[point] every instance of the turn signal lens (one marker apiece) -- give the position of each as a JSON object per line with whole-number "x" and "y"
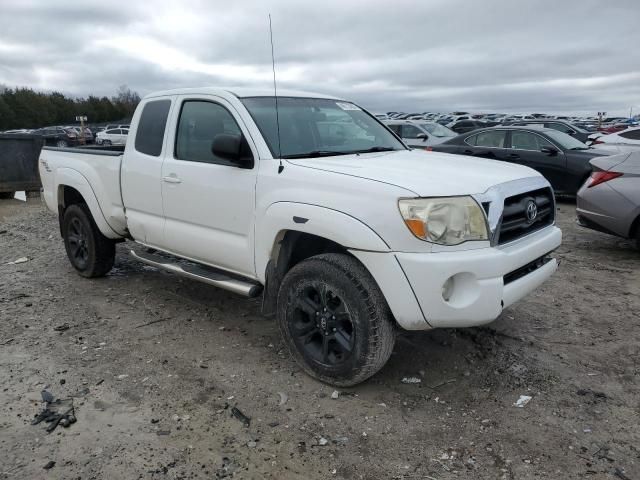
{"x": 417, "y": 227}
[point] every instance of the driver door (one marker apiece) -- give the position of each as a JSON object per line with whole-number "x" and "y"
{"x": 208, "y": 202}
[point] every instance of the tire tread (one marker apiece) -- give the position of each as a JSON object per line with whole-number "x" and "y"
{"x": 105, "y": 250}
{"x": 382, "y": 327}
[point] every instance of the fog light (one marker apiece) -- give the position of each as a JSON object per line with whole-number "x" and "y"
{"x": 447, "y": 289}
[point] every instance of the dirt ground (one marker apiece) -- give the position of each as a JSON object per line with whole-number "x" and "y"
{"x": 156, "y": 364}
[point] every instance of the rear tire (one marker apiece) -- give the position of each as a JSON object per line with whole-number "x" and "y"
{"x": 61, "y": 144}
{"x": 7, "y": 195}
{"x": 334, "y": 319}
{"x": 89, "y": 251}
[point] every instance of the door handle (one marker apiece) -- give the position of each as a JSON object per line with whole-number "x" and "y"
{"x": 468, "y": 152}
{"x": 513, "y": 155}
{"x": 171, "y": 179}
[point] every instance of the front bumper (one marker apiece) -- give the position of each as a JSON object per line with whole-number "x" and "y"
{"x": 477, "y": 290}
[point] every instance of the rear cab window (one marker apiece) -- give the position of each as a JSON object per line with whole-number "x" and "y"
{"x": 151, "y": 127}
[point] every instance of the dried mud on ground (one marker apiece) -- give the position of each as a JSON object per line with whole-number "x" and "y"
{"x": 156, "y": 364}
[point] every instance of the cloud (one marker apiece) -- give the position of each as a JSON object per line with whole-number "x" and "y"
{"x": 494, "y": 55}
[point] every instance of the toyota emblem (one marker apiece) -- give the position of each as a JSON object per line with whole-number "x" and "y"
{"x": 532, "y": 211}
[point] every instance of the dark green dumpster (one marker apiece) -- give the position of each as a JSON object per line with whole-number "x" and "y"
{"x": 19, "y": 154}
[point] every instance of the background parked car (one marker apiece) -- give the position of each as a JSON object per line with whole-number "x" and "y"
{"x": 58, "y": 136}
{"x": 630, "y": 136}
{"x": 612, "y": 128}
{"x": 113, "y": 136}
{"x": 562, "y": 159}
{"x": 560, "y": 125}
{"x": 88, "y": 134}
{"x": 420, "y": 133}
{"x": 464, "y": 126}
{"x": 21, "y": 130}
{"x": 610, "y": 200}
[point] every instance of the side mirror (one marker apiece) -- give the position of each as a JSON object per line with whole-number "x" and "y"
{"x": 549, "y": 151}
{"x": 422, "y": 136}
{"x": 230, "y": 147}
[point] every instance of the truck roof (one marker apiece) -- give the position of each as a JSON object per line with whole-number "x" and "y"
{"x": 240, "y": 92}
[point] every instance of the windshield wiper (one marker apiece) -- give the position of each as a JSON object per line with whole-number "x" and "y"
{"x": 316, "y": 153}
{"x": 374, "y": 149}
{"x": 579, "y": 148}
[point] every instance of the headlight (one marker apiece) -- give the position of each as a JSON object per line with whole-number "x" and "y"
{"x": 445, "y": 220}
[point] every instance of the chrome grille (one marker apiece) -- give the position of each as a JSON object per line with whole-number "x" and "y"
{"x": 525, "y": 213}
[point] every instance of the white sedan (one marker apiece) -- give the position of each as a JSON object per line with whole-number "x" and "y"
{"x": 630, "y": 136}
{"x": 114, "y": 136}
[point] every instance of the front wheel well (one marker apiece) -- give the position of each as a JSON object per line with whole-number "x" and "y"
{"x": 290, "y": 248}
{"x": 306, "y": 245}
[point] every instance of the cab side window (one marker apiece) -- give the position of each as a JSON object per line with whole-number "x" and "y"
{"x": 199, "y": 123}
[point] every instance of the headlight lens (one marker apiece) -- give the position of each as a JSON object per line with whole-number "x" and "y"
{"x": 445, "y": 220}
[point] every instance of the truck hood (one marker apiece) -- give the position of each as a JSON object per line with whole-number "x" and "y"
{"x": 422, "y": 172}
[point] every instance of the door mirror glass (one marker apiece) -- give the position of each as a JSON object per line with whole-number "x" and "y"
{"x": 226, "y": 146}
{"x": 422, "y": 136}
{"x": 230, "y": 147}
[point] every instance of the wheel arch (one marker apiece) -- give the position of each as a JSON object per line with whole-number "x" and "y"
{"x": 291, "y": 232}
{"x": 73, "y": 188}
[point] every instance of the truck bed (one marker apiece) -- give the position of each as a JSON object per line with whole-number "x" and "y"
{"x": 95, "y": 173}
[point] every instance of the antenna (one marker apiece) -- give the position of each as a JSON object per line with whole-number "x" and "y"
{"x": 275, "y": 94}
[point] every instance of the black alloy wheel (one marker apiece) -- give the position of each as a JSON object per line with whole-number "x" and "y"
{"x": 89, "y": 251}
{"x": 334, "y": 319}
{"x": 321, "y": 325}
{"x": 77, "y": 236}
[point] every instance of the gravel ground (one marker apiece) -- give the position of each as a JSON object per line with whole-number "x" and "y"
{"x": 157, "y": 363}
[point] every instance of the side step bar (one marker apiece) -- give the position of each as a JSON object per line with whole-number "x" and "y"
{"x": 202, "y": 273}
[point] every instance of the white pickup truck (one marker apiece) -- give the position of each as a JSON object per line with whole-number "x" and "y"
{"x": 317, "y": 206}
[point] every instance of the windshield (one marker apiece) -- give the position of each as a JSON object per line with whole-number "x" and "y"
{"x": 566, "y": 141}
{"x": 438, "y": 130}
{"x": 313, "y": 127}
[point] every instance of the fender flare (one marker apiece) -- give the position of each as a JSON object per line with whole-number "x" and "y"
{"x": 333, "y": 225}
{"x": 68, "y": 177}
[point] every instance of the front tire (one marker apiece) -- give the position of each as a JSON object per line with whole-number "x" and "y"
{"x": 89, "y": 251}
{"x": 7, "y": 195}
{"x": 61, "y": 144}
{"x": 106, "y": 143}
{"x": 334, "y": 319}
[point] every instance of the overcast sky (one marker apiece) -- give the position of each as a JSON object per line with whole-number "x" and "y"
{"x": 556, "y": 56}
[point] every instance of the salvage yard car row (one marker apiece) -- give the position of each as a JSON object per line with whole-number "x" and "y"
{"x": 74, "y": 135}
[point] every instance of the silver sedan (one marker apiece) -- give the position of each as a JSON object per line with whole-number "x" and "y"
{"x": 609, "y": 201}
